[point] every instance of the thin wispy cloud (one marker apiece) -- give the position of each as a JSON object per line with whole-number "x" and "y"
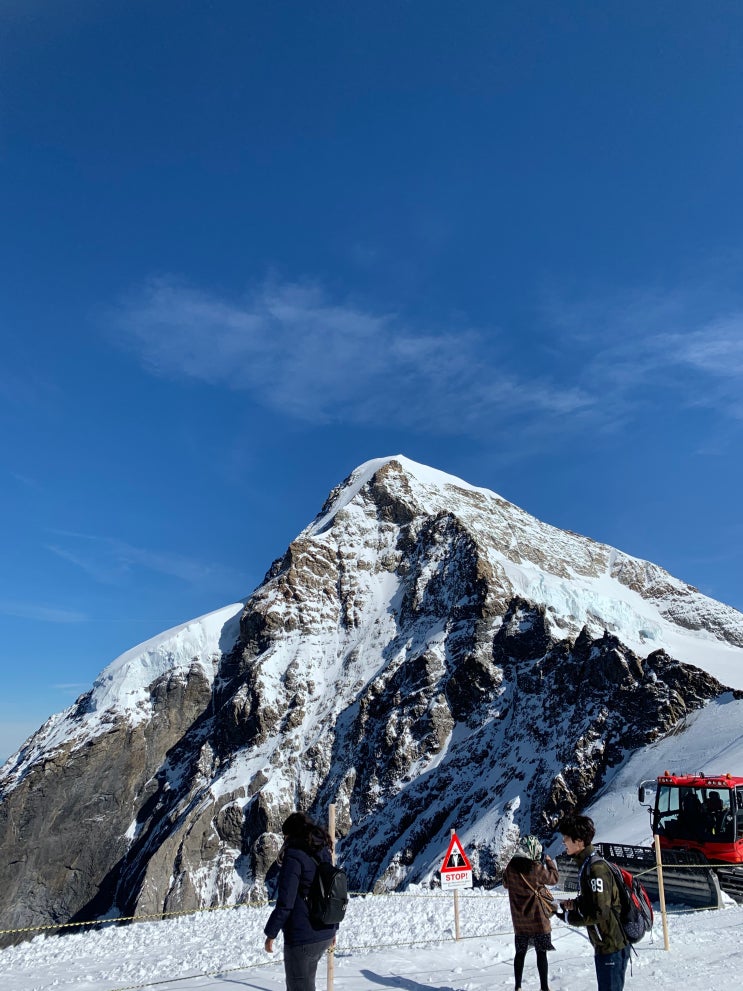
{"x": 641, "y": 345}
{"x": 608, "y": 361}
{"x": 111, "y": 561}
{"x": 40, "y": 613}
{"x": 298, "y": 352}
{"x": 25, "y": 480}
{"x": 717, "y": 348}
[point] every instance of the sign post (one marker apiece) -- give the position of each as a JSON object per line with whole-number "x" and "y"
{"x": 661, "y": 891}
{"x": 456, "y": 873}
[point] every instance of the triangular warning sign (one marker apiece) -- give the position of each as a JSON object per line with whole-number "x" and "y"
{"x": 455, "y": 858}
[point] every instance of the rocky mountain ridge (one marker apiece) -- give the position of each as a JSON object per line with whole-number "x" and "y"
{"x": 425, "y": 654}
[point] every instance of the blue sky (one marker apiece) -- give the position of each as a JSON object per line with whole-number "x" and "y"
{"x": 247, "y": 246}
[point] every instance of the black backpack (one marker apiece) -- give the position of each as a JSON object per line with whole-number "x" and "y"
{"x": 635, "y": 907}
{"x": 327, "y": 898}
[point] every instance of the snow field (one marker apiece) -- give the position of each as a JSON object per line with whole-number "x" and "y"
{"x": 403, "y": 941}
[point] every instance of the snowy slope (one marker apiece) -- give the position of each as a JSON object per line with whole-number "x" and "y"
{"x": 122, "y": 688}
{"x": 124, "y": 683}
{"x": 711, "y": 741}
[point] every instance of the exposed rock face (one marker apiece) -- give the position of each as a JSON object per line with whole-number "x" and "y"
{"x": 424, "y": 655}
{"x": 63, "y": 826}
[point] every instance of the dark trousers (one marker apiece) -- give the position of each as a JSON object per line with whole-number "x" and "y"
{"x": 611, "y": 968}
{"x": 542, "y": 968}
{"x": 300, "y": 964}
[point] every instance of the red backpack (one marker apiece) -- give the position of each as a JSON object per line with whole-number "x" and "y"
{"x": 635, "y": 908}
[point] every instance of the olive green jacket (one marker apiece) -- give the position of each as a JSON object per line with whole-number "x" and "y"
{"x": 597, "y": 905}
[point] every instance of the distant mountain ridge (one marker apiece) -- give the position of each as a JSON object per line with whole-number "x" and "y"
{"x": 425, "y": 654}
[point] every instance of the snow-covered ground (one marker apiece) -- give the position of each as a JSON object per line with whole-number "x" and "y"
{"x": 402, "y": 941}
{"x": 405, "y": 940}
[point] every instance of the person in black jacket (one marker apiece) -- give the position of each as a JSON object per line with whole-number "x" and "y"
{"x": 304, "y": 943}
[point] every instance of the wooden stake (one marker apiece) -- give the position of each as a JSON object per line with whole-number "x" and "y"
{"x": 331, "y": 950}
{"x": 661, "y": 892}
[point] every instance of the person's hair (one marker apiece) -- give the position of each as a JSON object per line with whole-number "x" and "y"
{"x": 300, "y": 830}
{"x": 578, "y": 828}
{"x": 522, "y": 865}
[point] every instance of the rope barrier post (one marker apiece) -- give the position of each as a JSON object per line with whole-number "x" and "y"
{"x": 456, "y": 907}
{"x": 331, "y": 950}
{"x": 661, "y": 892}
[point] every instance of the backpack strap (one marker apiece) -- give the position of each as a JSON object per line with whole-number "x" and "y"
{"x": 591, "y": 859}
{"x": 305, "y": 896}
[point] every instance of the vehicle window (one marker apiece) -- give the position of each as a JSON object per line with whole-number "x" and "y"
{"x": 668, "y": 799}
{"x": 717, "y": 801}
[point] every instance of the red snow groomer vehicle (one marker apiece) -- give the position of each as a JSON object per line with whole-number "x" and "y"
{"x": 698, "y": 819}
{"x": 702, "y": 812}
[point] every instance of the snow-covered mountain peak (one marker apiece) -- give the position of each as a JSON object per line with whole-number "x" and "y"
{"x": 396, "y": 470}
{"x": 580, "y": 581}
{"x": 424, "y": 654}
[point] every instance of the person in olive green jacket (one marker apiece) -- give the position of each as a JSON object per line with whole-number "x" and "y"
{"x": 597, "y": 905}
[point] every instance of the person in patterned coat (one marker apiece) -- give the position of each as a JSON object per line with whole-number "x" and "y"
{"x": 525, "y": 879}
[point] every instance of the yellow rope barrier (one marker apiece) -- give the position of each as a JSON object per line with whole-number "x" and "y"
{"x": 160, "y": 916}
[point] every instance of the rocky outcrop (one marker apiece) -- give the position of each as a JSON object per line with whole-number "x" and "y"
{"x": 424, "y": 655}
{"x": 65, "y": 826}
